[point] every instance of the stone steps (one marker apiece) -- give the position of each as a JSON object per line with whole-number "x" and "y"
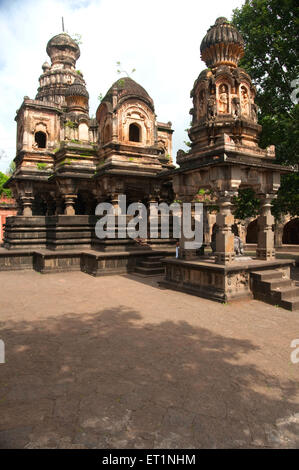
{"x": 269, "y": 274}
{"x": 274, "y": 288}
{"x": 152, "y": 266}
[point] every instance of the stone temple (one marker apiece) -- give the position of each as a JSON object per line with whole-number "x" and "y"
{"x": 68, "y": 162}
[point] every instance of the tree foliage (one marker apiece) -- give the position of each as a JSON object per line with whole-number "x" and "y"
{"x": 270, "y": 31}
{"x": 246, "y": 204}
{"x": 3, "y": 179}
{"x": 288, "y": 197}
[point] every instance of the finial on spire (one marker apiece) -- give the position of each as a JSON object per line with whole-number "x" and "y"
{"x": 62, "y": 24}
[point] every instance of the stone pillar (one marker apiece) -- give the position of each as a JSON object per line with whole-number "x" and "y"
{"x": 152, "y": 221}
{"x": 225, "y": 253}
{"x": 27, "y": 205}
{"x": 184, "y": 252}
{"x": 114, "y": 202}
{"x": 265, "y": 238}
{"x": 69, "y": 200}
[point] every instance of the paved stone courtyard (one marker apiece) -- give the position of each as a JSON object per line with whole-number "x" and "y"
{"x": 117, "y": 362}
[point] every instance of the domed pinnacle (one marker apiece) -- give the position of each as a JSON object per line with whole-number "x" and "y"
{"x": 223, "y": 44}
{"x": 62, "y": 49}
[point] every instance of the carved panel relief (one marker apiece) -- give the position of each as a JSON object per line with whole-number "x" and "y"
{"x": 223, "y": 99}
{"x": 201, "y": 109}
{"x": 244, "y": 100}
{"x": 136, "y": 114}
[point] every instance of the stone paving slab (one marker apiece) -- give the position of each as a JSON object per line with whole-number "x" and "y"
{"x": 118, "y": 362}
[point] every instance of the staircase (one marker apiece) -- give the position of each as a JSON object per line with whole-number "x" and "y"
{"x": 273, "y": 287}
{"x": 152, "y": 266}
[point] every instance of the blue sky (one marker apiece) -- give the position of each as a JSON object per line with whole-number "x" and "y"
{"x": 159, "y": 38}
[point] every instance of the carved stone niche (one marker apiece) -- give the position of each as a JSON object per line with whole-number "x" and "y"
{"x": 137, "y": 124}
{"x": 244, "y": 100}
{"x": 211, "y": 105}
{"x": 202, "y": 103}
{"x": 236, "y": 108}
{"x": 223, "y": 99}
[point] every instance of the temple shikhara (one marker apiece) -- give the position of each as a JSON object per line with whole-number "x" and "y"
{"x": 68, "y": 162}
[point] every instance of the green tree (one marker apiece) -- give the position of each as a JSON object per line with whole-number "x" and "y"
{"x": 270, "y": 31}
{"x": 246, "y": 204}
{"x": 3, "y": 179}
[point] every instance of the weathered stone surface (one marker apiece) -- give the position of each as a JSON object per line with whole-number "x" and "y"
{"x": 120, "y": 363}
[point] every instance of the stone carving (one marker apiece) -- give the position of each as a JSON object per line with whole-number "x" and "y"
{"x": 237, "y": 281}
{"x": 211, "y": 107}
{"x": 223, "y": 99}
{"x": 236, "y": 107}
{"x": 254, "y": 110}
{"x": 201, "y": 103}
{"x": 244, "y": 101}
{"x": 238, "y": 246}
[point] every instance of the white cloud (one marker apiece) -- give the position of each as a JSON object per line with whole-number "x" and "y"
{"x": 160, "y": 38}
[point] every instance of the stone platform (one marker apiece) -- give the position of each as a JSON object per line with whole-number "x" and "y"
{"x": 223, "y": 283}
{"x": 91, "y": 262}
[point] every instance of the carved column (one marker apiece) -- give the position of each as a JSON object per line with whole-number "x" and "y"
{"x": 225, "y": 253}
{"x": 265, "y": 238}
{"x": 27, "y": 205}
{"x": 69, "y": 200}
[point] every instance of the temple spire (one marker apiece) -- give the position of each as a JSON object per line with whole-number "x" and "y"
{"x": 62, "y": 20}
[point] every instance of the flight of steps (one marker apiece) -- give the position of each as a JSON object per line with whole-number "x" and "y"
{"x": 152, "y": 266}
{"x": 270, "y": 286}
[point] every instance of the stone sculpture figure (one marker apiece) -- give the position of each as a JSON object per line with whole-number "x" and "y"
{"x": 238, "y": 246}
{"x": 211, "y": 107}
{"x": 236, "y": 107}
{"x": 223, "y": 100}
{"x": 244, "y": 100}
{"x": 201, "y": 104}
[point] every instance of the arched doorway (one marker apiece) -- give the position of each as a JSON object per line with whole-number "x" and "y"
{"x": 251, "y": 234}
{"x": 290, "y": 234}
{"x": 40, "y": 140}
{"x": 134, "y": 133}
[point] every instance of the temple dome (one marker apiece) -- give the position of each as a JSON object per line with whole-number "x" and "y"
{"x": 126, "y": 88}
{"x": 63, "y": 41}
{"x": 77, "y": 89}
{"x": 223, "y": 44}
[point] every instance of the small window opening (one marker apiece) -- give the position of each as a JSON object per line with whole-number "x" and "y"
{"x": 40, "y": 139}
{"x": 134, "y": 133}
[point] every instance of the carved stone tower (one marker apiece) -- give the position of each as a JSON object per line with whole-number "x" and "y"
{"x": 134, "y": 148}
{"x": 223, "y": 94}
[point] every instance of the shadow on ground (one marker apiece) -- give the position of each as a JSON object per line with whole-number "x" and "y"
{"x": 108, "y": 380}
